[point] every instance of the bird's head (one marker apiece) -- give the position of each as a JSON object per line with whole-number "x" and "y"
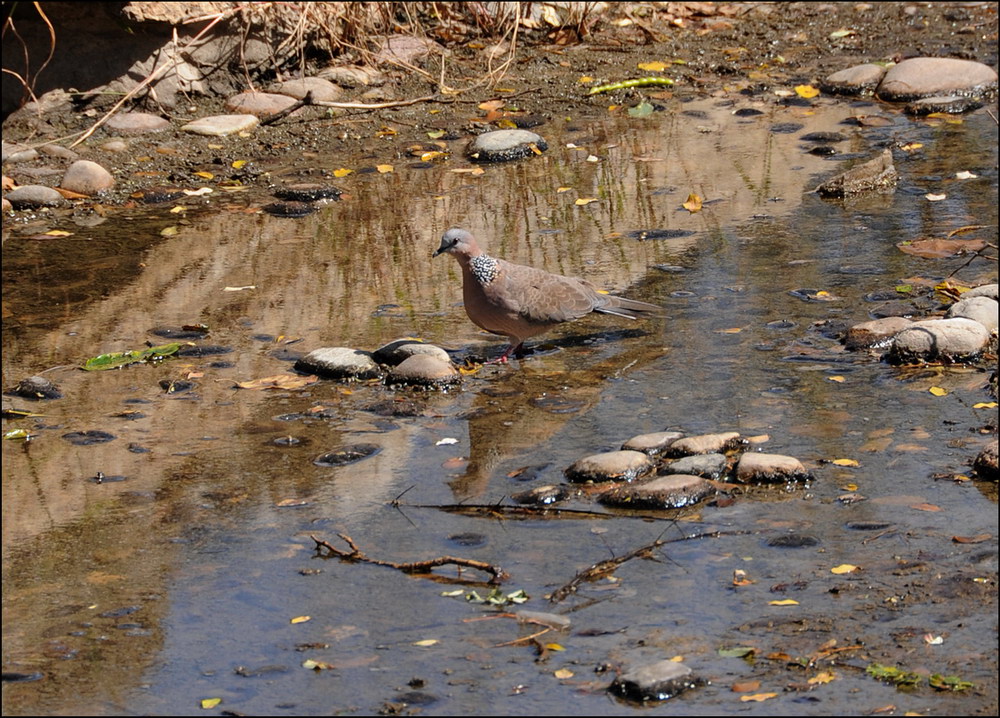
{"x": 458, "y": 242}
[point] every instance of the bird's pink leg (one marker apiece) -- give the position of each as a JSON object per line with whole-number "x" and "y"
{"x": 502, "y": 359}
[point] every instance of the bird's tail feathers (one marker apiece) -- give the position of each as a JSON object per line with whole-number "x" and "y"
{"x": 629, "y": 308}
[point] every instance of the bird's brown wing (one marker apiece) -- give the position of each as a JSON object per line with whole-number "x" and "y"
{"x": 541, "y": 297}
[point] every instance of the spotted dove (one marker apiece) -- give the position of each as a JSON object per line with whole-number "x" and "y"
{"x": 520, "y": 302}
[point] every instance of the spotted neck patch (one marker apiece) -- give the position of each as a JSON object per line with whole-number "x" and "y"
{"x": 484, "y": 268}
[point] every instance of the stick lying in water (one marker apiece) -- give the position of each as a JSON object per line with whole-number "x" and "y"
{"x": 355, "y": 554}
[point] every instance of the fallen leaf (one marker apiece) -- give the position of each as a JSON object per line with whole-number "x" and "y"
{"x": 300, "y": 619}
{"x": 784, "y": 602}
{"x": 910, "y": 146}
{"x": 491, "y": 105}
{"x": 744, "y": 686}
{"x": 342, "y": 172}
{"x": 978, "y": 538}
{"x": 932, "y": 640}
{"x": 655, "y": 66}
{"x": 383, "y": 169}
{"x": 585, "y": 200}
{"x": 935, "y": 197}
{"x": 938, "y": 391}
{"x": 806, "y": 91}
{"x": 446, "y": 441}
{"x": 205, "y": 175}
{"x": 239, "y": 289}
{"x": 965, "y": 174}
{"x": 821, "y": 678}
{"x": 286, "y": 503}
{"x": 939, "y": 248}
{"x": 839, "y": 379}
{"x": 758, "y": 697}
{"x": 279, "y": 381}
{"x": 426, "y": 642}
{"x": 563, "y": 673}
{"x": 317, "y": 665}
{"x": 693, "y": 203}
{"x": 844, "y": 568}
{"x": 845, "y": 462}
{"x": 207, "y": 703}
{"x": 985, "y": 405}
{"x": 925, "y": 507}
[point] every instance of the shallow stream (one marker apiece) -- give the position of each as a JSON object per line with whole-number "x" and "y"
{"x": 179, "y": 576}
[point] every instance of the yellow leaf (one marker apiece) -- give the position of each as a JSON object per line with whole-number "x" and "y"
{"x": 844, "y": 568}
{"x": 730, "y": 330}
{"x": 555, "y": 647}
{"x": 207, "y": 703}
{"x": 169, "y": 231}
{"x": 757, "y": 697}
{"x": 179, "y": 209}
{"x": 655, "y": 66}
{"x": 426, "y": 642}
{"x": 938, "y": 391}
{"x": 850, "y": 487}
{"x": 806, "y": 91}
{"x": 839, "y": 379}
{"x": 239, "y": 164}
{"x": 820, "y": 678}
{"x": 693, "y": 203}
{"x": 204, "y": 175}
{"x": 845, "y": 462}
{"x": 385, "y": 132}
{"x": 585, "y": 79}
{"x": 384, "y": 168}
{"x": 930, "y": 196}
{"x": 563, "y": 673}
{"x": 910, "y": 146}
{"x": 317, "y": 665}
{"x": 563, "y": 189}
{"x": 342, "y": 172}
{"x": 433, "y": 155}
{"x": 585, "y": 200}
{"x": 470, "y": 170}
{"x": 985, "y": 405}
{"x": 301, "y": 619}
{"x": 784, "y": 602}
{"x": 58, "y": 233}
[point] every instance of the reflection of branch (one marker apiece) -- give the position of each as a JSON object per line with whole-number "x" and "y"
{"x": 603, "y": 568}
{"x": 355, "y": 554}
{"x": 977, "y": 253}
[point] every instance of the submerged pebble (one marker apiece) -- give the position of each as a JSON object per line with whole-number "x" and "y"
{"x": 339, "y": 363}
{"x": 610, "y": 466}
{"x": 654, "y": 682}
{"x": 663, "y": 492}
{"x": 505, "y": 145}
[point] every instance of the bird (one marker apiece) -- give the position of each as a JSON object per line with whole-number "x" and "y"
{"x": 519, "y": 302}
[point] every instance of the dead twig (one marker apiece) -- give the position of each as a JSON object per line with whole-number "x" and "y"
{"x": 413, "y": 567}
{"x": 304, "y": 102}
{"x": 603, "y": 568}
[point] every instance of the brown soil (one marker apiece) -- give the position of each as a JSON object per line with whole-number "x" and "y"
{"x": 749, "y": 49}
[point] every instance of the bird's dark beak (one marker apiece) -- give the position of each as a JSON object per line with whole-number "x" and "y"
{"x": 437, "y": 252}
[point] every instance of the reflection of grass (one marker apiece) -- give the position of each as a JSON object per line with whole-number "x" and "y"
{"x": 906, "y": 679}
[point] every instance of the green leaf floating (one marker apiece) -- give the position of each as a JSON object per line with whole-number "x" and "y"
{"x": 116, "y": 360}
